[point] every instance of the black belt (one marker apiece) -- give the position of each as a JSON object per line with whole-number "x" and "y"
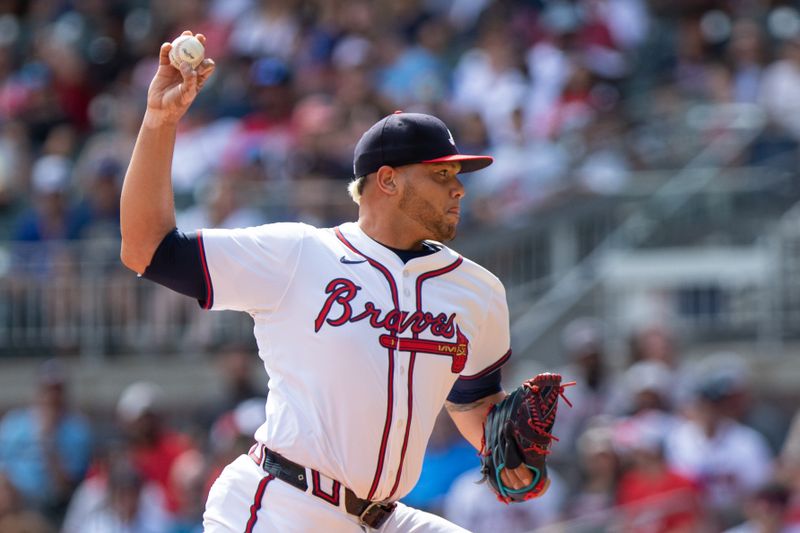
{"x": 372, "y": 514}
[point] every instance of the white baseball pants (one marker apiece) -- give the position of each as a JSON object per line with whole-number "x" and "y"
{"x": 245, "y": 499}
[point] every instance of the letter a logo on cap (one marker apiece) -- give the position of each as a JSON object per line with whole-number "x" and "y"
{"x": 450, "y": 137}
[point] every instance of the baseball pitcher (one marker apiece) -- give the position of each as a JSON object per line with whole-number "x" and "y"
{"x": 365, "y": 330}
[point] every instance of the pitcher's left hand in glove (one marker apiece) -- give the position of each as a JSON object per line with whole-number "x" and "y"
{"x": 518, "y": 431}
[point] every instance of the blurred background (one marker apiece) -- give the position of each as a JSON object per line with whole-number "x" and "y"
{"x": 642, "y": 212}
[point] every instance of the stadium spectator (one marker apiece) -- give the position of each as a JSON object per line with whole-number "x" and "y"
{"x": 154, "y": 446}
{"x": 709, "y": 447}
{"x": 91, "y": 500}
{"x": 45, "y": 448}
{"x": 599, "y": 470}
{"x": 123, "y": 506}
{"x": 99, "y": 211}
{"x": 766, "y": 512}
{"x": 606, "y": 165}
{"x": 267, "y": 29}
{"x": 319, "y": 150}
{"x": 489, "y": 80}
{"x": 746, "y": 59}
{"x": 646, "y": 388}
{"x": 264, "y": 136}
{"x": 583, "y": 344}
{"x": 188, "y": 481}
{"x": 52, "y": 218}
{"x": 653, "y": 341}
{"x": 654, "y": 498}
{"x": 231, "y": 435}
{"x": 776, "y": 93}
{"x": 527, "y": 174}
{"x": 222, "y": 206}
{"x": 414, "y": 74}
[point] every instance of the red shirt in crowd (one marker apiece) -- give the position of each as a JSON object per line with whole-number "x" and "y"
{"x": 658, "y": 503}
{"x": 154, "y": 462}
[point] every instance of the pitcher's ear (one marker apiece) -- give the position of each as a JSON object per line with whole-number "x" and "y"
{"x": 386, "y": 179}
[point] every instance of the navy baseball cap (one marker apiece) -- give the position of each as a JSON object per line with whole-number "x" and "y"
{"x": 406, "y": 138}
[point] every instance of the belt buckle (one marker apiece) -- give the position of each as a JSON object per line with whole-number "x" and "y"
{"x": 376, "y": 514}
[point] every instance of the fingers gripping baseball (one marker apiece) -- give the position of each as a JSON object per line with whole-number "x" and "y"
{"x": 173, "y": 90}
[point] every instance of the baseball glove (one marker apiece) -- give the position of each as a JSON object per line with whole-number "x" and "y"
{"x": 518, "y": 431}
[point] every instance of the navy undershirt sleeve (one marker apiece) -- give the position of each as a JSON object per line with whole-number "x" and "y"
{"x": 177, "y": 264}
{"x": 471, "y": 390}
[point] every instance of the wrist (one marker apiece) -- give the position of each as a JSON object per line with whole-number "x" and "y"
{"x": 156, "y": 119}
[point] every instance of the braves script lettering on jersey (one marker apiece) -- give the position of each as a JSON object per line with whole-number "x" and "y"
{"x": 365, "y": 355}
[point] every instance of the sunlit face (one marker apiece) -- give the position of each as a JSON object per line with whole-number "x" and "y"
{"x": 431, "y": 197}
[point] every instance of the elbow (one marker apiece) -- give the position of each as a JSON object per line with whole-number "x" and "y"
{"x": 132, "y": 259}
{"x": 136, "y": 251}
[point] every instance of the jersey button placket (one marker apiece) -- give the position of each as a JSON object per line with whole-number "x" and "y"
{"x": 408, "y": 304}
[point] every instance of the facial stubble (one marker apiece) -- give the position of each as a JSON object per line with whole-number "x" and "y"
{"x": 418, "y": 208}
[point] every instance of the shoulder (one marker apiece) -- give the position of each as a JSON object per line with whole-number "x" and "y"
{"x": 483, "y": 272}
{"x": 479, "y": 274}
{"x": 273, "y": 230}
{"x": 299, "y": 230}
{"x": 295, "y": 228}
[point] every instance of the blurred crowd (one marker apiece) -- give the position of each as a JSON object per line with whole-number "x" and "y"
{"x": 571, "y": 96}
{"x": 653, "y": 443}
{"x": 140, "y": 466}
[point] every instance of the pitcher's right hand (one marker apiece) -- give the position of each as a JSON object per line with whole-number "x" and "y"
{"x": 172, "y": 91}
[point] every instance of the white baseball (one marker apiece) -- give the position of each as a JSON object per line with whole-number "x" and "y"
{"x": 186, "y": 48}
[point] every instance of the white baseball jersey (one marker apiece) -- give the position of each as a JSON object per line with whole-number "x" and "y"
{"x": 361, "y": 349}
